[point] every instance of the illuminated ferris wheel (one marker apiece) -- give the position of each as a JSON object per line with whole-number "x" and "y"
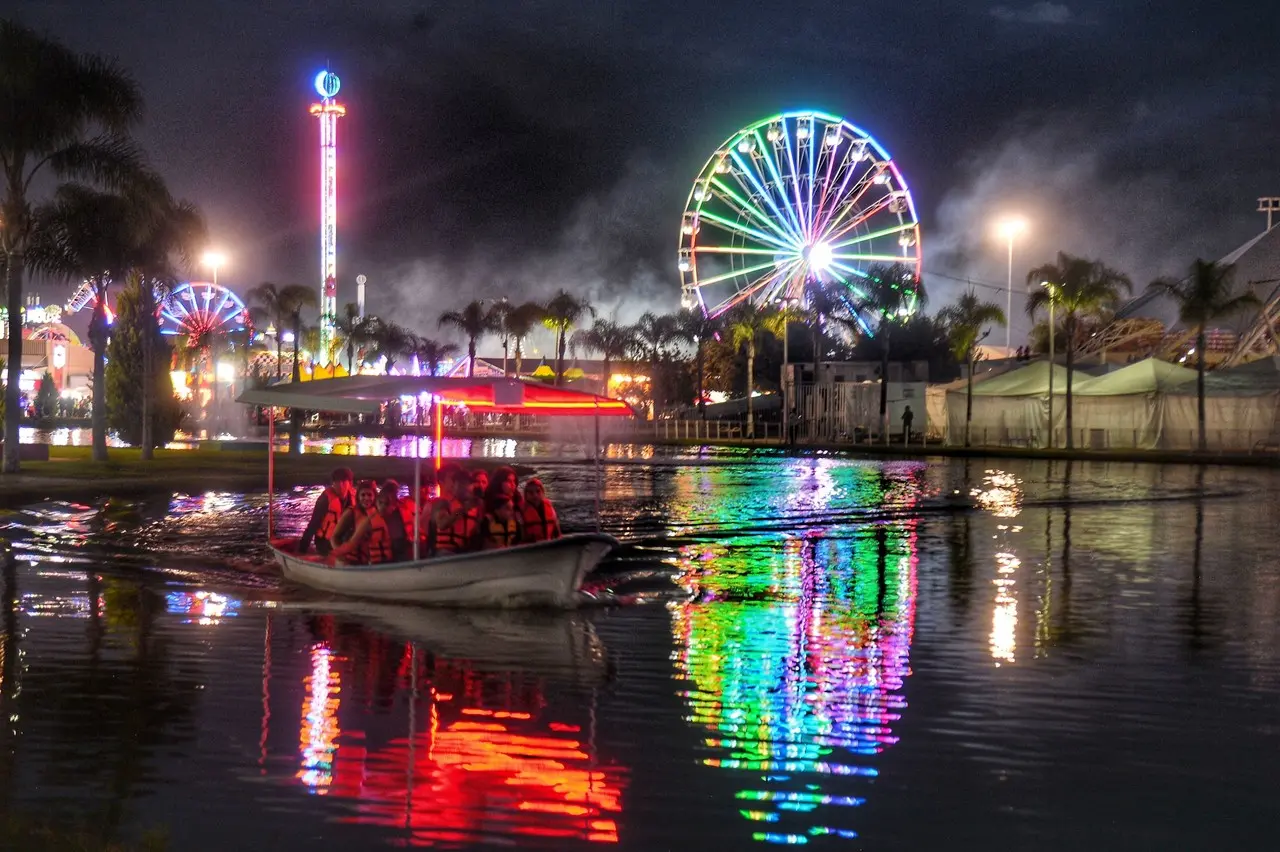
{"x": 789, "y": 201}
{"x": 199, "y": 309}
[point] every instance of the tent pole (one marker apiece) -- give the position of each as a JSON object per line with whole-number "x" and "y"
{"x": 271, "y": 471}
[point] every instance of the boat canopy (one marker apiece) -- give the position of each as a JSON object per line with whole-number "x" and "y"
{"x": 366, "y": 394}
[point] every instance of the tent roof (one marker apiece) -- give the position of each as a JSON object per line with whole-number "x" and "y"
{"x": 1031, "y": 380}
{"x": 365, "y": 395}
{"x": 1254, "y": 377}
{"x": 1147, "y": 376}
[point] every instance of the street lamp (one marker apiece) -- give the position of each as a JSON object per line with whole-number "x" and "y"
{"x": 1009, "y": 229}
{"x": 1053, "y": 297}
{"x": 213, "y": 259}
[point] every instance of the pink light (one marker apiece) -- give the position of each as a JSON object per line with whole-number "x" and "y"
{"x": 328, "y": 111}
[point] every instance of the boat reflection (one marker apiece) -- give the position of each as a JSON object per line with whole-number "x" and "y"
{"x": 486, "y": 754}
{"x": 795, "y": 651}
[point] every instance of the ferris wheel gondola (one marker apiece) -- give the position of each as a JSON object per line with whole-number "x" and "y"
{"x": 794, "y": 200}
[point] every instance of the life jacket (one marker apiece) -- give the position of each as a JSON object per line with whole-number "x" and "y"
{"x": 540, "y": 522}
{"x": 500, "y": 534}
{"x": 457, "y": 537}
{"x": 331, "y": 515}
{"x": 376, "y": 547}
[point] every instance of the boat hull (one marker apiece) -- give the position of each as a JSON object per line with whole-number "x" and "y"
{"x": 548, "y": 573}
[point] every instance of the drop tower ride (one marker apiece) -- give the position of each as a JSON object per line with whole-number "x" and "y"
{"x": 328, "y": 111}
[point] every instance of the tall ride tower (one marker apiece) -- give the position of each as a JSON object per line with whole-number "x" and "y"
{"x": 328, "y": 111}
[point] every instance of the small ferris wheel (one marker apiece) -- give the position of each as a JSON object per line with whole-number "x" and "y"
{"x": 198, "y": 309}
{"x": 791, "y": 200}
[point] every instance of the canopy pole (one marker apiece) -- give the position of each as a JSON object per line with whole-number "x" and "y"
{"x": 437, "y": 428}
{"x": 595, "y": 455}
{"x": 271, "y": 471}
{"x": 417, "y": 491}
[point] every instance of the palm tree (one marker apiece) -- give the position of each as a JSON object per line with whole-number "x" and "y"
{"x": 499, "y": 315}
{"x": 561, "y": 314}
{"x": 475, "y": 322}
{"x": 283, "y": 304}
{"x": 746, "y": 323}
{"x": 521, "y": 321}
{"x": 65, "y": 116}
{"x": 965, "y": 320}
{"x": 1203, "y": 296}
{"x": 92, "y": 236}
{"x": 653, "y": 332}
{"x": 393, "y": 342}
{"x": 890, "y": 293}
{"x": 822, "y": 301}
{"x": 697, "y": 328}
{"x": 431, "y": 352}
{"x": 348, "y": 327}
{"x": 612, "y": 341}
{"x": 310, "y": 341}
{"x": 1079, "y": 289}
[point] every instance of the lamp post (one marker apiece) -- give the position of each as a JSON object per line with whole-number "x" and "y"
{"x": 1009, "y": 229}
{"x": 213, "y": 259}
{"x": 1052, "y": 298}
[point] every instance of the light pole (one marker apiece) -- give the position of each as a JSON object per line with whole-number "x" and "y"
{"x": 1052, "y": 298}
{"x": 213, "y": 259}
{"x": 1009, "y": 229}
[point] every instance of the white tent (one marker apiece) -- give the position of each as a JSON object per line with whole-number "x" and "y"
{"x": 1128, "y": 408}
{"x": 1011, "y": 409}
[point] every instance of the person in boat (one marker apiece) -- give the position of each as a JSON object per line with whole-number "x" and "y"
{"x": 480, "y": 479}
{"x": 334, "y": 500}
{"x": 540, "y": 521}
{"x": 500, "y": 528}
{"x": 366, "y": 498}
{"x": 399, "y": 517}
{"x": 370, "y": 544}
{"x": 456, "y": 515}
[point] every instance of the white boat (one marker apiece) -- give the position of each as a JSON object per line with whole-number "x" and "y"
{"x": 548, "y": 573}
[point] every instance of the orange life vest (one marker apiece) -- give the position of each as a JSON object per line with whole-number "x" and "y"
{"x": 540, "y": 522}
{"x": 457, "y": 537}
{"x": 332, "y": 514}
{"x": 376, "y": 547}
{"x": 498, "y": 533}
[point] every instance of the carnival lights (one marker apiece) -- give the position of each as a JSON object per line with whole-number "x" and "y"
{"x": 328, "y": 111}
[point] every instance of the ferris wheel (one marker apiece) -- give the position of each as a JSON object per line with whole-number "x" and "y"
{"x": 197, "y": 309}
{"x": 789, "y": 201}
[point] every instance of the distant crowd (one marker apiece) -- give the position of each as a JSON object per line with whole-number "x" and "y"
{"x": 367, "y": 523}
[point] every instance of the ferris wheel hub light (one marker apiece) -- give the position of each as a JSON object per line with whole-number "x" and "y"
{"x": 819, "y": 256}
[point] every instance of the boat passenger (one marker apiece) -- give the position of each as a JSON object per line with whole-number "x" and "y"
{"x": 399, "y": 520}
{"x": 540, "y": 521}
{"x": 366, "y": 497}
{"x": 503, "y": 484}
{"x": 480, "y": 479}
{"x": 457, "y": 521}
{"x": 371, "y": 542}
{"x": 335, "y": 499}
{"x": 500, "y": 528}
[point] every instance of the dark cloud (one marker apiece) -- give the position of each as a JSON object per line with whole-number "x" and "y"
{"x": 552, "y": 143}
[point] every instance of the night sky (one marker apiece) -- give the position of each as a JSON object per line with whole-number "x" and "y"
{"x": 504, "y": 147}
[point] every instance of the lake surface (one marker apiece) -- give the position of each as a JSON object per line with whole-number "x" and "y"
{"x": 841, "y": 654}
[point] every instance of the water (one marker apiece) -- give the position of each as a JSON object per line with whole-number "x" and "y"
{"x": 821, "y": 652}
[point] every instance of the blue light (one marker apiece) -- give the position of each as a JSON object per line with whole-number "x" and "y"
{"x": 327, "y": 84}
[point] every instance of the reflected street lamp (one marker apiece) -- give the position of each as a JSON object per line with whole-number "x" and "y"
{"x": 1009, "y": 229}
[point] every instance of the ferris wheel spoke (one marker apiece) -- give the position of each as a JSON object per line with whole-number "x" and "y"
{"x": 766, "y": 194}
{"x": 725, "y": 276}
{"x": 736, "y": 250}
{"x": 834, "y": 234}
{"x": 813, "y": 165}
{"x": 769, "y": 154}
{"x": 743, "y": 206}
{"x": 738, "y": 227}
{"x": 869, "y": 258}
{"x": 874, "y": 235}
{"x": 852, "y": 204}
{"x": 849, "y": 167}
{"x": 805, "y": 228}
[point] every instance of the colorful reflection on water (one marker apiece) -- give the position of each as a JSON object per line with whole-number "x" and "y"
{"x": 484, "y": 756}
{"x": 796, "y": 649}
